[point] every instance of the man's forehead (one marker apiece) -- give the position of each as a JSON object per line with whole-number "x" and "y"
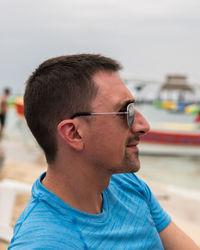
{"x": 107, "y": 79}
{"x": 111, "y": 89}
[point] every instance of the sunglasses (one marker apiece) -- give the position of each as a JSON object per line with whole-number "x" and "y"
{"x": 129, "y": 113}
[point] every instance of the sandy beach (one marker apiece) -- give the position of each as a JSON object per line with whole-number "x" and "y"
{"x": 183, "y": 209}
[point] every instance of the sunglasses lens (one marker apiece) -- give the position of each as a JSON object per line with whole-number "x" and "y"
{"x": 130, "y": 116}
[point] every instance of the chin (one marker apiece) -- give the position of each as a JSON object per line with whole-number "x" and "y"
{"x": 135, "y": 169}
{"x": 131, "y": 166}
{"x": 132, "y": 169}
{"x": 127, "y": 168}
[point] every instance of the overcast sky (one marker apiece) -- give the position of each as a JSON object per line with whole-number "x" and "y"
{"x": 151, "y": 38}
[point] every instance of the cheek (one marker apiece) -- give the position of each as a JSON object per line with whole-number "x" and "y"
{"x": 107, "y": 141}
{"x": 114, "y": 145}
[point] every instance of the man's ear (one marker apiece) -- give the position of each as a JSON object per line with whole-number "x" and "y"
{"x": 69, "y": 132}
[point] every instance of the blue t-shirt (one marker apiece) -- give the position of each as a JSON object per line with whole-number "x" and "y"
{"x": 131, "y": 219}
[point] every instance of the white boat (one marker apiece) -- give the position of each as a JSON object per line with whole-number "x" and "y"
{"x": 172, "y": 139}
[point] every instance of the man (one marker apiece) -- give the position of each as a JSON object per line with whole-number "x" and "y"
{"x": 83, "y": 117}
{"x": 3, "y": 109}
{"x": 197, "y": 118}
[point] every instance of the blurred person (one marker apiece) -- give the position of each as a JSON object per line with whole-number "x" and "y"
{"x": 2, "y": 157}
{"x": 197, "y": 118}
{"x": 84, "y": 119}
{"x": 3, "y": 109}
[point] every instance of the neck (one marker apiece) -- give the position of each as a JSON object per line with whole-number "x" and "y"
{"x": 79, "y": 186}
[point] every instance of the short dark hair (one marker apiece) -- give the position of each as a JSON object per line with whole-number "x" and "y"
{"x": 57, "y": 89}
{"x": 7, "y": 91}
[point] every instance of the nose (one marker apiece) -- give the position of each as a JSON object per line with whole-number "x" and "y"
{"x": 140, "y": 124}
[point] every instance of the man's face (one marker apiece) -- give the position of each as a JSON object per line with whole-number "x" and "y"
{"x": 111, "y": 144}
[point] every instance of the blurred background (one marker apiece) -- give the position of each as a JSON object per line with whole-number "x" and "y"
{"x": 157, "y": 43}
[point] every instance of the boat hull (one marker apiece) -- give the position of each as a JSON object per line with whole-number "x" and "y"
{"x": 170, "y": 143}
{"x": 168, "y": 137}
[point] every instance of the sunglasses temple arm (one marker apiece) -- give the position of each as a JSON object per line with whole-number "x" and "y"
{"x": 110, "y": 113}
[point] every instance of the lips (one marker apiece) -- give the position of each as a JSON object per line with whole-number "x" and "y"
{"x": 132, "y": 144}
{"x": 133, "y": 147}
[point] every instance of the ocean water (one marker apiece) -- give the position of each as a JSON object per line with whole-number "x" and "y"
{"x": 155, "y": 115}
{"x": 18, "y": 143}
{"x": 172, "y": 170}
{"x": 181, "y": 172}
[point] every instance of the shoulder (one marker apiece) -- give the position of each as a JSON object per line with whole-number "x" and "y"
{"x": 128, "y": 180}
{"x": 3, "y": 99}
{"x": 42, "y": 242}
{"x": 43, "y": 224}
{"x": 42, "y": 228}
{"x": 130, "y": 185}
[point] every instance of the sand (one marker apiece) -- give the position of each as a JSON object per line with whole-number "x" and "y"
{"x": 185, "y": 211}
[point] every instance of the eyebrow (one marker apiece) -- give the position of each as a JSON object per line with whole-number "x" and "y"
{"x": 124, "y": 104}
